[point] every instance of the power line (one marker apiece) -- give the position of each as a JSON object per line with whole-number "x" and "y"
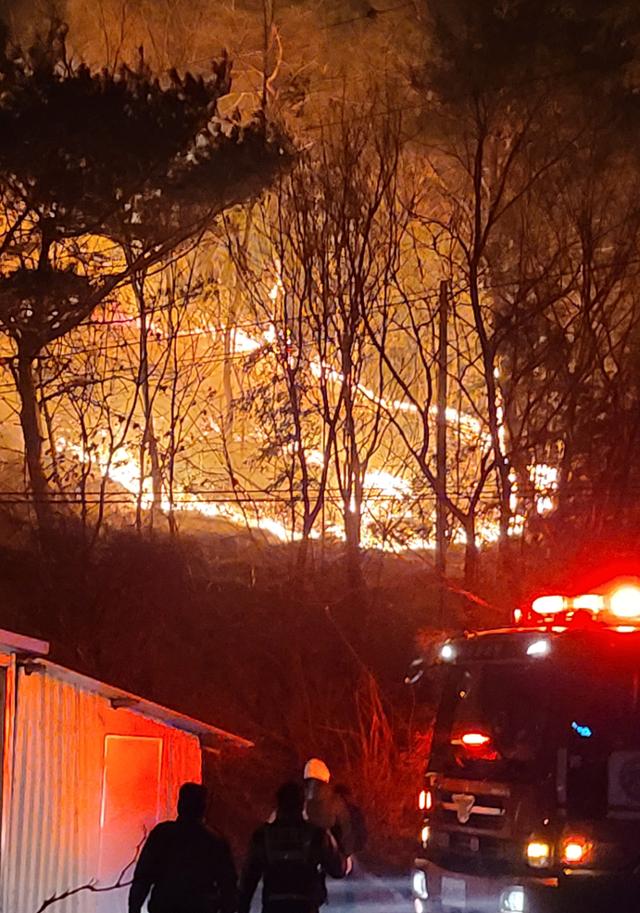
{"x": 283, "y": 496}
{"x": 256, "y": 493}
{"x": 370, "y": 15}
{"x": 211, "y": 331}
{"x": 134, "y": 496}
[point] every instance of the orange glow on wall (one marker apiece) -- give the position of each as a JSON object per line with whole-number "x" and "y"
{"x": 130, "y": 798}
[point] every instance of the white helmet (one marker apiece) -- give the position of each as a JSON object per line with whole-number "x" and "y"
{"x": 315, "y": 769}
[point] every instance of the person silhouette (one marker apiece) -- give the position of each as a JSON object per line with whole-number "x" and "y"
{"x": 184, "y": 866}
{"x": 291, "y": 856}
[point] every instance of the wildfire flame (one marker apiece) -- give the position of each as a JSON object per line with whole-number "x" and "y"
{"x": 388, "y": 496}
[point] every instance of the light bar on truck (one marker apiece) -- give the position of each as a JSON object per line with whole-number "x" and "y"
{"x": 625, "y": 602}
{"x": 549, "y": 605}
{"x": 590, "y": 602}
{"x": 621, "y": 604}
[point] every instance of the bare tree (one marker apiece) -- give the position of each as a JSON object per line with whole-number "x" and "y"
{"x": 505, "y": 122}
{"x": 567, "y": 324}
{"x": 332, "y": 262}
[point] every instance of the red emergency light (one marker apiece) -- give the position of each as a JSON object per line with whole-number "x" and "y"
{"x": 475, "y": 744}
{"x": 620, "y": 604}
{"x": 474, "y": 739}
{"x": 625, "y": 602}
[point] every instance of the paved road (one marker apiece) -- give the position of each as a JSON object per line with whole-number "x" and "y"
{"x": 364, "y": 893}
{"x": 368, "y": 893}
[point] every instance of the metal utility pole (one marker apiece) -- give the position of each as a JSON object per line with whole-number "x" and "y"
{"x": 441, "y": 451}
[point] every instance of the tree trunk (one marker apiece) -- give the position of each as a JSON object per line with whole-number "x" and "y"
{"x": 32, "y": 436}
{"x": 227, "y": 384}
{"x": 470, "y": 553}
{"x": 441, "y": 453}
{"x": 149, "y": 439}
{"x": 353, "y": 534}
{"x": 302, "y": 558}
{"x": 154, "y": 458}
{"x": 493, "y": 412}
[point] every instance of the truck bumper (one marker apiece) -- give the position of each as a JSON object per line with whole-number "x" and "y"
{"x": 437, "y": 890}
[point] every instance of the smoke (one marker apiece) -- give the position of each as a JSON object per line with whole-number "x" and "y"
{"x": 25, "y": 17}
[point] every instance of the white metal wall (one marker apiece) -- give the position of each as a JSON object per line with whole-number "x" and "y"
{"x": 53, "y": 836}
{"x": 52, "y": 845}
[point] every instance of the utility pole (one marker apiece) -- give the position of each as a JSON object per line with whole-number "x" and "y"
{"x": 441, "y": 451}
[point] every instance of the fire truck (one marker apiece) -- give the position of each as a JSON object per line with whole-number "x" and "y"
{"x": 531, "y": 800}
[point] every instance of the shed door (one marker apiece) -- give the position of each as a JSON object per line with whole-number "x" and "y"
{"x": 3, "y": 724}
{"x": 130, "y": 794}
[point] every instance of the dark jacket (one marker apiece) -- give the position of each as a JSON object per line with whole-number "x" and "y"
{"x": 291, "y": 856}
{"x": 359, "y": 830}
{"x": 188, "y": 869}
{"x": 326, "y": 809}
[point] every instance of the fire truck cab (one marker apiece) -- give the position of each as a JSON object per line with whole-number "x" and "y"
{"x": 532, "y": 795}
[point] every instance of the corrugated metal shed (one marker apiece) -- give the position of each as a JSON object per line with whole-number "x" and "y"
{"x": 87, "y": 769}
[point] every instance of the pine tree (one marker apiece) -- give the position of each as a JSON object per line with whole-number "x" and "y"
{"x": 94, "y": 160}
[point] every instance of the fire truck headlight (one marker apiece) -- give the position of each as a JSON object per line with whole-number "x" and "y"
{"x": 424, "y": 835}
{"x": 539, "y": 648}
{"x": 512, "y": 900}
{"x": 538, "y": 854}
{"x": 448, "y": 653}
{"x": 419, "y": 882}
